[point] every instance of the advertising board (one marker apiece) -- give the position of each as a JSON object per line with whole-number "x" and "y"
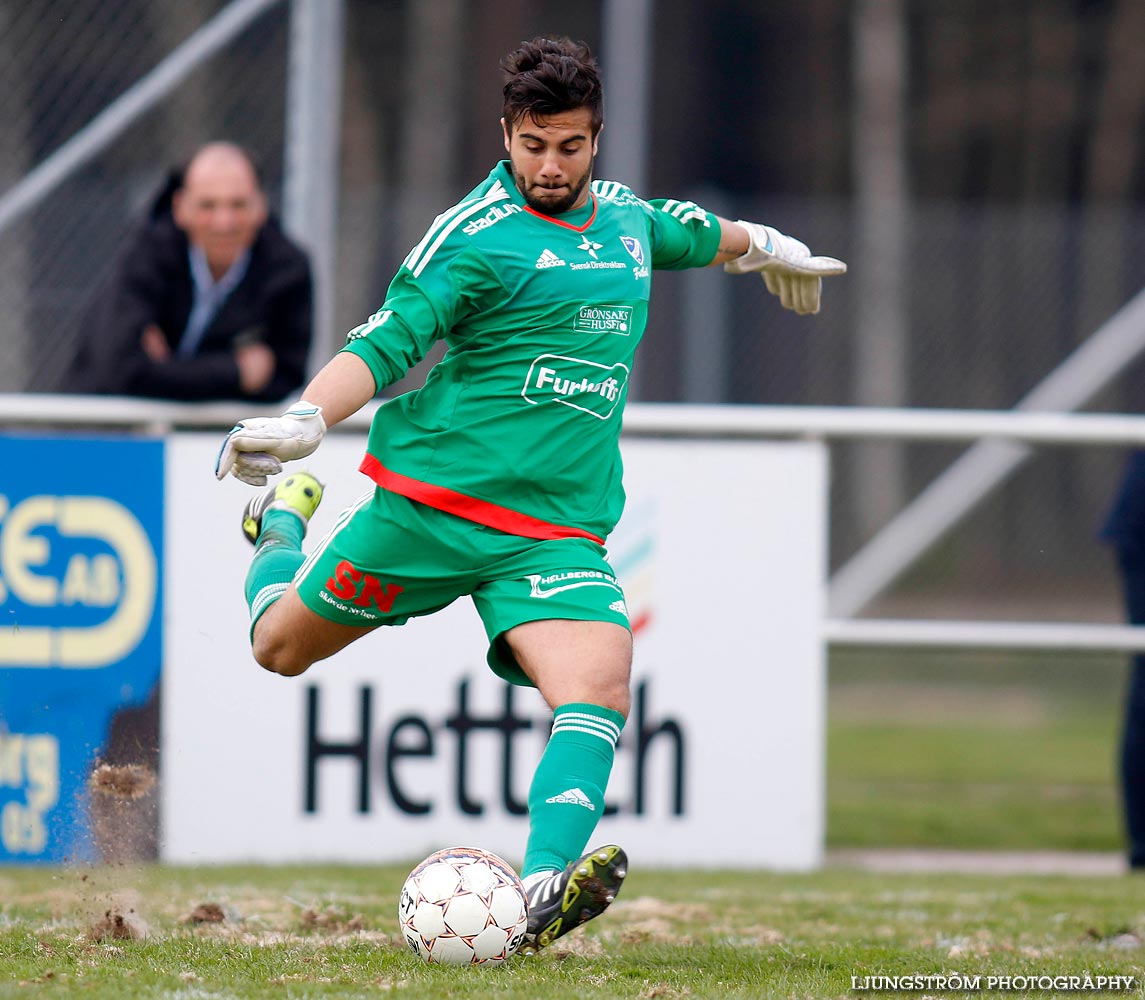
{"x": 81, "y": 545}
{"x": 405, "y": 742}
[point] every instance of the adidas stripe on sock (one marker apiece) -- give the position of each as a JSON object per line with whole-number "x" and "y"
{"x": 566, "y": 798}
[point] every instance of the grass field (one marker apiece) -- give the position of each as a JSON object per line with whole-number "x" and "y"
{"x": 332, "y": 932}
{"x": 973, "y": 750}
{"x": 924, "y": 750}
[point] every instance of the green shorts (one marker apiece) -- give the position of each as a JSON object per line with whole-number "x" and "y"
{"x": 389, "y": 559}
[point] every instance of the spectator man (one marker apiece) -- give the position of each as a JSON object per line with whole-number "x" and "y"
{"x": 210, "y": 299}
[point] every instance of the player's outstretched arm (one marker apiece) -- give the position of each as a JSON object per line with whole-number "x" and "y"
{"x": 256, "y": 448}
{"x": 342, "y": 387}
{"x": 788, "y": 268}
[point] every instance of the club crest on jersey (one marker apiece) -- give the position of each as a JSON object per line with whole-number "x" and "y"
{"x": 632, "y": 245}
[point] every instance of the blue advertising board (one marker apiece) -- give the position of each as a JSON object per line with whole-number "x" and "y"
{"x": 81, "y": 552}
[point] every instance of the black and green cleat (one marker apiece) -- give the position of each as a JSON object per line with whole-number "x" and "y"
{"x": 300, "y": 493}
{"x": 565, "y": 900}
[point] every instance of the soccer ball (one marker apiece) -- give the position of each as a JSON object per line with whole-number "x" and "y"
{"x": 463, "y": 906}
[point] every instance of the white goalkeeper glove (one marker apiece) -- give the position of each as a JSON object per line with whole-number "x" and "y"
{"x": 788, "y": 268}
{"x": 256, "y": 448}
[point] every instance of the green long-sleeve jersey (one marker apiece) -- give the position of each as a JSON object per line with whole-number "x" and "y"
{"x": 518, "y": 425}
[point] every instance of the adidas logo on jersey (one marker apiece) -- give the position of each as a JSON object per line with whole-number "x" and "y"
{"x": 619, "y": 607}
{"x": 550, "y": 259}
{"x": 573, "y": 797}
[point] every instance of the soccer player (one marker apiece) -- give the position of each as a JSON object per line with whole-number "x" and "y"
{"x": 500, "y": 478}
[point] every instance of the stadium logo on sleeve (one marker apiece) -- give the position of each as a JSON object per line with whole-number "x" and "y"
{"x": 491, "y": 218}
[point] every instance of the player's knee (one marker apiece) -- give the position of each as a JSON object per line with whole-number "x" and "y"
{"x": 611, "y": 691}
{"x": 274, "y": 653}
{"x": 614, "y": 686}
{"x": 618, "y": 698}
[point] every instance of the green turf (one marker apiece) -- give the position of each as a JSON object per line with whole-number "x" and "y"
{"x": 332, "y": 932}
{"x": 945, "y": 750}
{"x": 1003, "y": 751}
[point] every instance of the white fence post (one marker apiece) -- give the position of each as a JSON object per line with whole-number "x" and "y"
{"x": 313, "y": 137}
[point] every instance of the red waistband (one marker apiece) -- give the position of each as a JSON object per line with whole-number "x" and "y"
{"x": 493, "y": 515}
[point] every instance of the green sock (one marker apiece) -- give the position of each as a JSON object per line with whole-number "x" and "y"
{"x": 277, "y": 556}
{"x": 566, "y": 798}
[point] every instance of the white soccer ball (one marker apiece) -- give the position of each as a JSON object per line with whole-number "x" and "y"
{"x": 463, "y": 906}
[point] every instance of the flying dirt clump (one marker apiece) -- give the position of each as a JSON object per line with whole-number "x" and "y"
{"x": 332, "y": 920}
{"x": 125, "y": 781}
{"x": 205, "y": 913}
{"x": 124, "y": 812}
{"x": 117, "y": 924}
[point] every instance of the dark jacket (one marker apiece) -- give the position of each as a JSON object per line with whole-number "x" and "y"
{"x": 152, "y": 284}
{"x": 1124, "y": 526}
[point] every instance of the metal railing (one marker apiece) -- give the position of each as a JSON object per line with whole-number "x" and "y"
{"x": 645, "y": 420}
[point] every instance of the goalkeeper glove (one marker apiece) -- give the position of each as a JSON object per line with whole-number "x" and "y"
{"x": 256, "y": 448}
{"x": 788, "y": 268}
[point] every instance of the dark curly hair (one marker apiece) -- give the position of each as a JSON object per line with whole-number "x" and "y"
{"x": 547, "y": 76}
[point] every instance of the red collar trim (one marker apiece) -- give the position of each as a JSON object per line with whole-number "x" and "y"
{"x": 567, "y": 225}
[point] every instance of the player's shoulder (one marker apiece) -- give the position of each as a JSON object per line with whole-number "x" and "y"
{"x": 682, "y": 210}
{"x": 490, "y": 198}
{"x": 453, "y": 229}
{"x": 616, "y": 193}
